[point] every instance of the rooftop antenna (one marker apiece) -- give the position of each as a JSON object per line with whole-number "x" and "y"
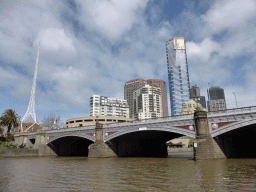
{"x": 30, "y": 115}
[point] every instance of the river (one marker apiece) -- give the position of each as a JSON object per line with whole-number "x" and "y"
{"x": 175, "y": 173}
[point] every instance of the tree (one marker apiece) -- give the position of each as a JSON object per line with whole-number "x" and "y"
{"x": 51, "y": 122}
{"x": 1, "y": 130}
{"x": 9, "y": 119}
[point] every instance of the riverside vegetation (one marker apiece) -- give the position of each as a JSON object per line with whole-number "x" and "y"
{"x": 11, "y": 144}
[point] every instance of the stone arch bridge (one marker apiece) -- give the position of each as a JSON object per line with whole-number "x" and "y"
{"x": 220, "y": 134}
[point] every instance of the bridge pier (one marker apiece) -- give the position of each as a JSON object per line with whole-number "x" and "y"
{"x": 100, "y": 148}
{"x": 207, "y": 147}
{"x": 23, "y": 139}
{"x": 40, "y": 144}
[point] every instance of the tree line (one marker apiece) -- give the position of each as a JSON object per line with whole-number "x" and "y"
{"x": 10, "y": 120}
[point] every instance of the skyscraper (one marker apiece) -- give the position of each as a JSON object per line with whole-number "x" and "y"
{"x": 216, "y": 99}
{"x": 147, "y": 102}
{"x": 135, "y": 84}
{"x": 195, "y": 95}
{"x": 177, "y": 67}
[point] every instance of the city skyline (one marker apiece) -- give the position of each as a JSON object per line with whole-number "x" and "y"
{"x": 83, "y": 54}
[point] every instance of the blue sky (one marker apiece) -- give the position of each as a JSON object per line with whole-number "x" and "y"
{"x": 94, "y": 47}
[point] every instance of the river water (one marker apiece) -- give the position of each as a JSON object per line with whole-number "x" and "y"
{"x": 175, "y": 173}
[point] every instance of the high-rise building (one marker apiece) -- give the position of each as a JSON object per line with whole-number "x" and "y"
{"x": 195, "y": 95}
{"x": 216, "y": 99}
{"x": 177, "y": 67}
{"x": 194, "y": 91}
{"x": 104, "y": 106}
{"x": 147, "y": 102}
{"x": 135, "y": 84}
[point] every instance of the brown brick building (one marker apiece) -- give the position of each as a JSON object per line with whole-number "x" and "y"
{"x": 135, "y": 84}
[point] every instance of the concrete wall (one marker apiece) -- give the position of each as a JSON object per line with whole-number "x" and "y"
{"x": 19, "y": 152}
{"x": 44, "y": 150}
{"x": 179, "y": 149}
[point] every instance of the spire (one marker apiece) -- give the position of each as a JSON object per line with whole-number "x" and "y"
{"x": 30, "y": 115}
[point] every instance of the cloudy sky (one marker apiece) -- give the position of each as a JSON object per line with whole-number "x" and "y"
{"x": 95, "y": 46}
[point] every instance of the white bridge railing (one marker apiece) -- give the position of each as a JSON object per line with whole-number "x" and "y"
{"x": 155, "y": 120}
{"x": 234, "y": 111}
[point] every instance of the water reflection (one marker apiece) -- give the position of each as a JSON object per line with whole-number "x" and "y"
{"x": 126, "y": 174}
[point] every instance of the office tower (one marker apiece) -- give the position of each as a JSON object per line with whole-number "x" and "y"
{"x": 195, "y": 95}
{"x": 103, "y": 106}
{"x": 147, "y": 102}
{"x": 135, "y": 84}
{"x": 194, "y": 91}
{"x": 177, "y": 67}
{"x": 216, "y": 99}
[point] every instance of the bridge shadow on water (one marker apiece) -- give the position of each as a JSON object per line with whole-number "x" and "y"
{"x": 238, "y": 143}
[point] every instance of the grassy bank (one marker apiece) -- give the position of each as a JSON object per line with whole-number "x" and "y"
{"x": 11, "y": 145}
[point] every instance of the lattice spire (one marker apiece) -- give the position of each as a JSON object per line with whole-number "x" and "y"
{"x": 30, "y": 115}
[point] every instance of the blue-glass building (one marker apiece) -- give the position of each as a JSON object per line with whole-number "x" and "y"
{"x": 177, "y": 66}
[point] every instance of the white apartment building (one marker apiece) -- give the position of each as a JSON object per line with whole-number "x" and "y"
{"x": 104, "y": 106}
{"x": 144, "y": 106}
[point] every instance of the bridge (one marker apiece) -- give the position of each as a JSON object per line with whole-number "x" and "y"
{"x": 228, "y": 133}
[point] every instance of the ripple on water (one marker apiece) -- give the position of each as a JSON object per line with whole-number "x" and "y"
{"x": 126, "y": 174}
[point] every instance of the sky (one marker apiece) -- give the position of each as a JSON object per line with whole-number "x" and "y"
{"x": 95, "y": 46}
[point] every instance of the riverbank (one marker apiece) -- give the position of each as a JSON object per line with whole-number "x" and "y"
{"x": 19, "y": 152}
{"x": 180, "y": 150}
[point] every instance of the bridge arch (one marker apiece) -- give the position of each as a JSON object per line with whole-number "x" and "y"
{"x": 237, "y": 140}
{"x": 233, "y": 126}
{"x": 71, "y": 144}
{"x": 180, "y": 131}
{"x": 144, "y": 142}
{"x": 83, "y": 135}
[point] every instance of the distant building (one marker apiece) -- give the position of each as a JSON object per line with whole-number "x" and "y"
{"x": 216, "y": 99}
{"x": 28, "y": 127}
{"x": 135, "y": 84}
{"x": 104, "y": 106}
{"x": 91, "y": 121}
{"x": 195, "y": 95}
{"x": 190, "y": 107}
{"x": 178, "y": 76}
{"x": 194, "y": 91}
{"x": 147, "y": 102}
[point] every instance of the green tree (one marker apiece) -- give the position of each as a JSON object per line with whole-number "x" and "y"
{"x": 1, "y": 130}
{"x": 9, "y": 119}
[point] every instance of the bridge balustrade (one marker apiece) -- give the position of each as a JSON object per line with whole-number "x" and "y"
{"x": 233, "y": 111}
{"x": 160, "y": 119}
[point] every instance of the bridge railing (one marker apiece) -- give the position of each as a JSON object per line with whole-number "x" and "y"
{"x": 71, "y": 128}
{"x": 233, "y": 111}
{"x": 168, "y": 118}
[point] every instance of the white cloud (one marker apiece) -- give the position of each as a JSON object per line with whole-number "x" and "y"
{"x": 111, "y": 18}
{"x": 54, "y": 39}
{"x": 120, "y": 45}
{"x": 202, "y": 50}
{"x": 229, "y": 14}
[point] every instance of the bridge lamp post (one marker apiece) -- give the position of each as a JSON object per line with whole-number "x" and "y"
{"x": 209, "y": 99}
{"x": 235, "y": 99}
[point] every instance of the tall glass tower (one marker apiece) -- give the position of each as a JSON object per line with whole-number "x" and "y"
{"x": 177, "y": 66}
